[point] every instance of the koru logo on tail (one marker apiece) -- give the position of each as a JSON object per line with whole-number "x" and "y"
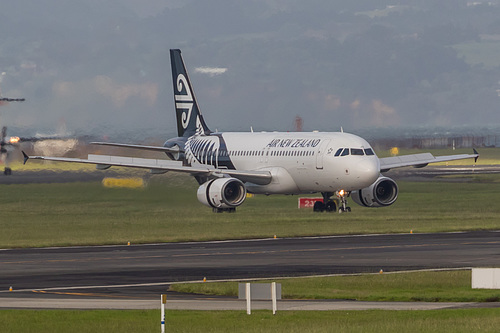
{"x": 184, "y": 102}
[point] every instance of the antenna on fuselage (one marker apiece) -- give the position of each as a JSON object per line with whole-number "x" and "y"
{"x": 251, "y": 129}
{"x": 341, "y": 129}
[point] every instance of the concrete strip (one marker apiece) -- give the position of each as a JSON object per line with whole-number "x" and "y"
{"x": 217, "y": 304}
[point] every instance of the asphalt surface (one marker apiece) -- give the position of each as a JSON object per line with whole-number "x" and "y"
{"x": 145, "y": 271}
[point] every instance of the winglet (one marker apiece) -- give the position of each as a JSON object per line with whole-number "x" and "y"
{"x": 475, "y": 152}
{"x": 26, "y": 157}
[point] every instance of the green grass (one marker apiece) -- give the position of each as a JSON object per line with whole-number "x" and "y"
{"x": 35, "y": 215}
{"x": 446, "y": 286}
{"x": 54, "y": 321}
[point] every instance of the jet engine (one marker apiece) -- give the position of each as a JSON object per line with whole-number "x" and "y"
{"x": 383, "y": 192}
{"x": 222, "y": 193}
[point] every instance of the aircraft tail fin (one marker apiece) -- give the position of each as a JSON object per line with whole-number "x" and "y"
{"x": 189, "y": 118}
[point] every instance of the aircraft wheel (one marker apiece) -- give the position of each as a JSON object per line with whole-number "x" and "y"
{"x": 318, "y": 206}
{"x": 7, "y": 171}
{"x": 348, "y": 209}
{"x": 331, "y": 206}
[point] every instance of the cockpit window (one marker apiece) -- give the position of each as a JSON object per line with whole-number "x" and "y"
{"x": 354, "y": 152}
{"x": 357, "y": 151}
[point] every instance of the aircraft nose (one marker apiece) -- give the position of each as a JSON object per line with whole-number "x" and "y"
{"x": 368, "y": 169}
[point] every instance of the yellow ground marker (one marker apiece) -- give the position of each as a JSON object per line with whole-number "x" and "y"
{"x": 123, "y": 182}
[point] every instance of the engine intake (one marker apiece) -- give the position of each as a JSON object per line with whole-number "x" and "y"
{"x": 383, "y": 192}
{"x": 222, "y": 193}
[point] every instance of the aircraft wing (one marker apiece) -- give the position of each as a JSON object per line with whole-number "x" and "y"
{"x": 420, "y": 160}
{"x": 124, "y": 145}
{"x": 158, "y": 166}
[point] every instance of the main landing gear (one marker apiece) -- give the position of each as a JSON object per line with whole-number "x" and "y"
{"x": 222, "y": 210}
{"x": 330, "y": 205}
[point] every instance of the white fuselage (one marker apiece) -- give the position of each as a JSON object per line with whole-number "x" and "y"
{"x": 299, "y": 162}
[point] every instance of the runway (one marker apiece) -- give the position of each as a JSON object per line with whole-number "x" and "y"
{"x": 145, "y": 271}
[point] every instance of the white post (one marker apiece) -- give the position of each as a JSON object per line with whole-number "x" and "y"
{"x": 163, "y": 301}
{"x": 247, "y": 293}
{"x": 273, "y": 297}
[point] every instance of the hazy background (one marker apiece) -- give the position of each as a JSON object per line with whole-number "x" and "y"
{"x": 102, "y": 67}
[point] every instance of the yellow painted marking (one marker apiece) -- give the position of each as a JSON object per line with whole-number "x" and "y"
{"x": 123, "y": 182}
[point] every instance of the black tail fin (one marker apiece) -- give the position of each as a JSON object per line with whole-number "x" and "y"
{"x": 189, "y": 118}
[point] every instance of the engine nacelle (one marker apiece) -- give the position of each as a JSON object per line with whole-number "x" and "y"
{"x": 222, "y": 193}
{"x": 383, "y": 192}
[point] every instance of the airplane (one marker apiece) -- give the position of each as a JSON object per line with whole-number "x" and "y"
{"x": 6, "y": 145}
{"x": 228, "y": 165}
{"x": 9, "y": 143}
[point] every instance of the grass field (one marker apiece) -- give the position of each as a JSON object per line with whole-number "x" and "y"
{"x": 55, "y": 321}
{"x": 167, "y": 210}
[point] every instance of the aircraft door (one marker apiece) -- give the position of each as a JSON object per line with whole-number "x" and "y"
{"x": 321, "y": 153}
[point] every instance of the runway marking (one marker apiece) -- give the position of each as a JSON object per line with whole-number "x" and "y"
{"x": 205, "y": 254}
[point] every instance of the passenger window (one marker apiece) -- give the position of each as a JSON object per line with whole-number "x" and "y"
{"x": 369, "y": 152}
{"x": 357, "y": 152}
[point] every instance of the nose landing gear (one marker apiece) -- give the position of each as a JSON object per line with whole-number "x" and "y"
{"x": 343, "y": 201}
{"x": 330, "y": 205}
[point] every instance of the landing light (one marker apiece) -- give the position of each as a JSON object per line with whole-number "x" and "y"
{"x": 341, "y": 193}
